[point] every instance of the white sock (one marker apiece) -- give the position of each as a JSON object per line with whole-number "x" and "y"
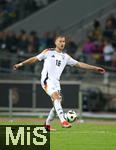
{"x": 50, "y": 116}
{"x": 59, "y": 110}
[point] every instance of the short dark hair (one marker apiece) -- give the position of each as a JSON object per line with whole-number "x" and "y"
{"x": 59, "y": 36}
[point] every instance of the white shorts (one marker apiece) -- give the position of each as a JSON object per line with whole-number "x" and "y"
{"x": 50, "y": 87}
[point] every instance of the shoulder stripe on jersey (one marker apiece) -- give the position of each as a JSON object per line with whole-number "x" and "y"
{"x": 45, "y": 51}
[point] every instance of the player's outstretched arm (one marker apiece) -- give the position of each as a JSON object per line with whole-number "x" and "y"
{"x": 28, "y": 61}
{"x": 90, "y": 67}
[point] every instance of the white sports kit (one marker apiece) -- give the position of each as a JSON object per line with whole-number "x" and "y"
{"x": 54, "y": 64}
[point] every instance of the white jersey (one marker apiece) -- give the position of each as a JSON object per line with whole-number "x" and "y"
{"x": 54, "y": 64}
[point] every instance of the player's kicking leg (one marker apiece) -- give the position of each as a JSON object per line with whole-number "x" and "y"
{"x": 57, "y": 105}
{"x": 56, "y": 98}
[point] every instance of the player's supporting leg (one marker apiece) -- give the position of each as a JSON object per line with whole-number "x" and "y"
{"x": 49, "y": 119}
{"x": 57, "y": 104}
{"x": 50, "y": 116}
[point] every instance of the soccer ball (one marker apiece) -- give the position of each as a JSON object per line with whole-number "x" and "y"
{"x": 70, "y": 116}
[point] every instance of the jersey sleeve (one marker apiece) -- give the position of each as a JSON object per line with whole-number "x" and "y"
{"x": 71, "y": 61}
{"x": 42, "y": 55}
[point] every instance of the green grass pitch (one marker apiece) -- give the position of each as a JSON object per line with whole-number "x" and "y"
{"x": 86, "y": 136}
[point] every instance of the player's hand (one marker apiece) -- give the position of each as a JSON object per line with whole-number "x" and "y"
{"x": 16, "y": 66}
{"x": 100, "y": 70}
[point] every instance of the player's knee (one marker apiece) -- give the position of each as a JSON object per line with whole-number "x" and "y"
{"x": 56, "y": 96}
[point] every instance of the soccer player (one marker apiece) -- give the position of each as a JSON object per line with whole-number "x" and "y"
{"x": 55, "y": 61}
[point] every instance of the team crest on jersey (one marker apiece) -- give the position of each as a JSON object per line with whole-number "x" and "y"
{"x": 63, "y": 56}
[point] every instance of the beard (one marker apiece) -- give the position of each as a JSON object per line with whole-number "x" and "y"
{"x": 61, "y": 47}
